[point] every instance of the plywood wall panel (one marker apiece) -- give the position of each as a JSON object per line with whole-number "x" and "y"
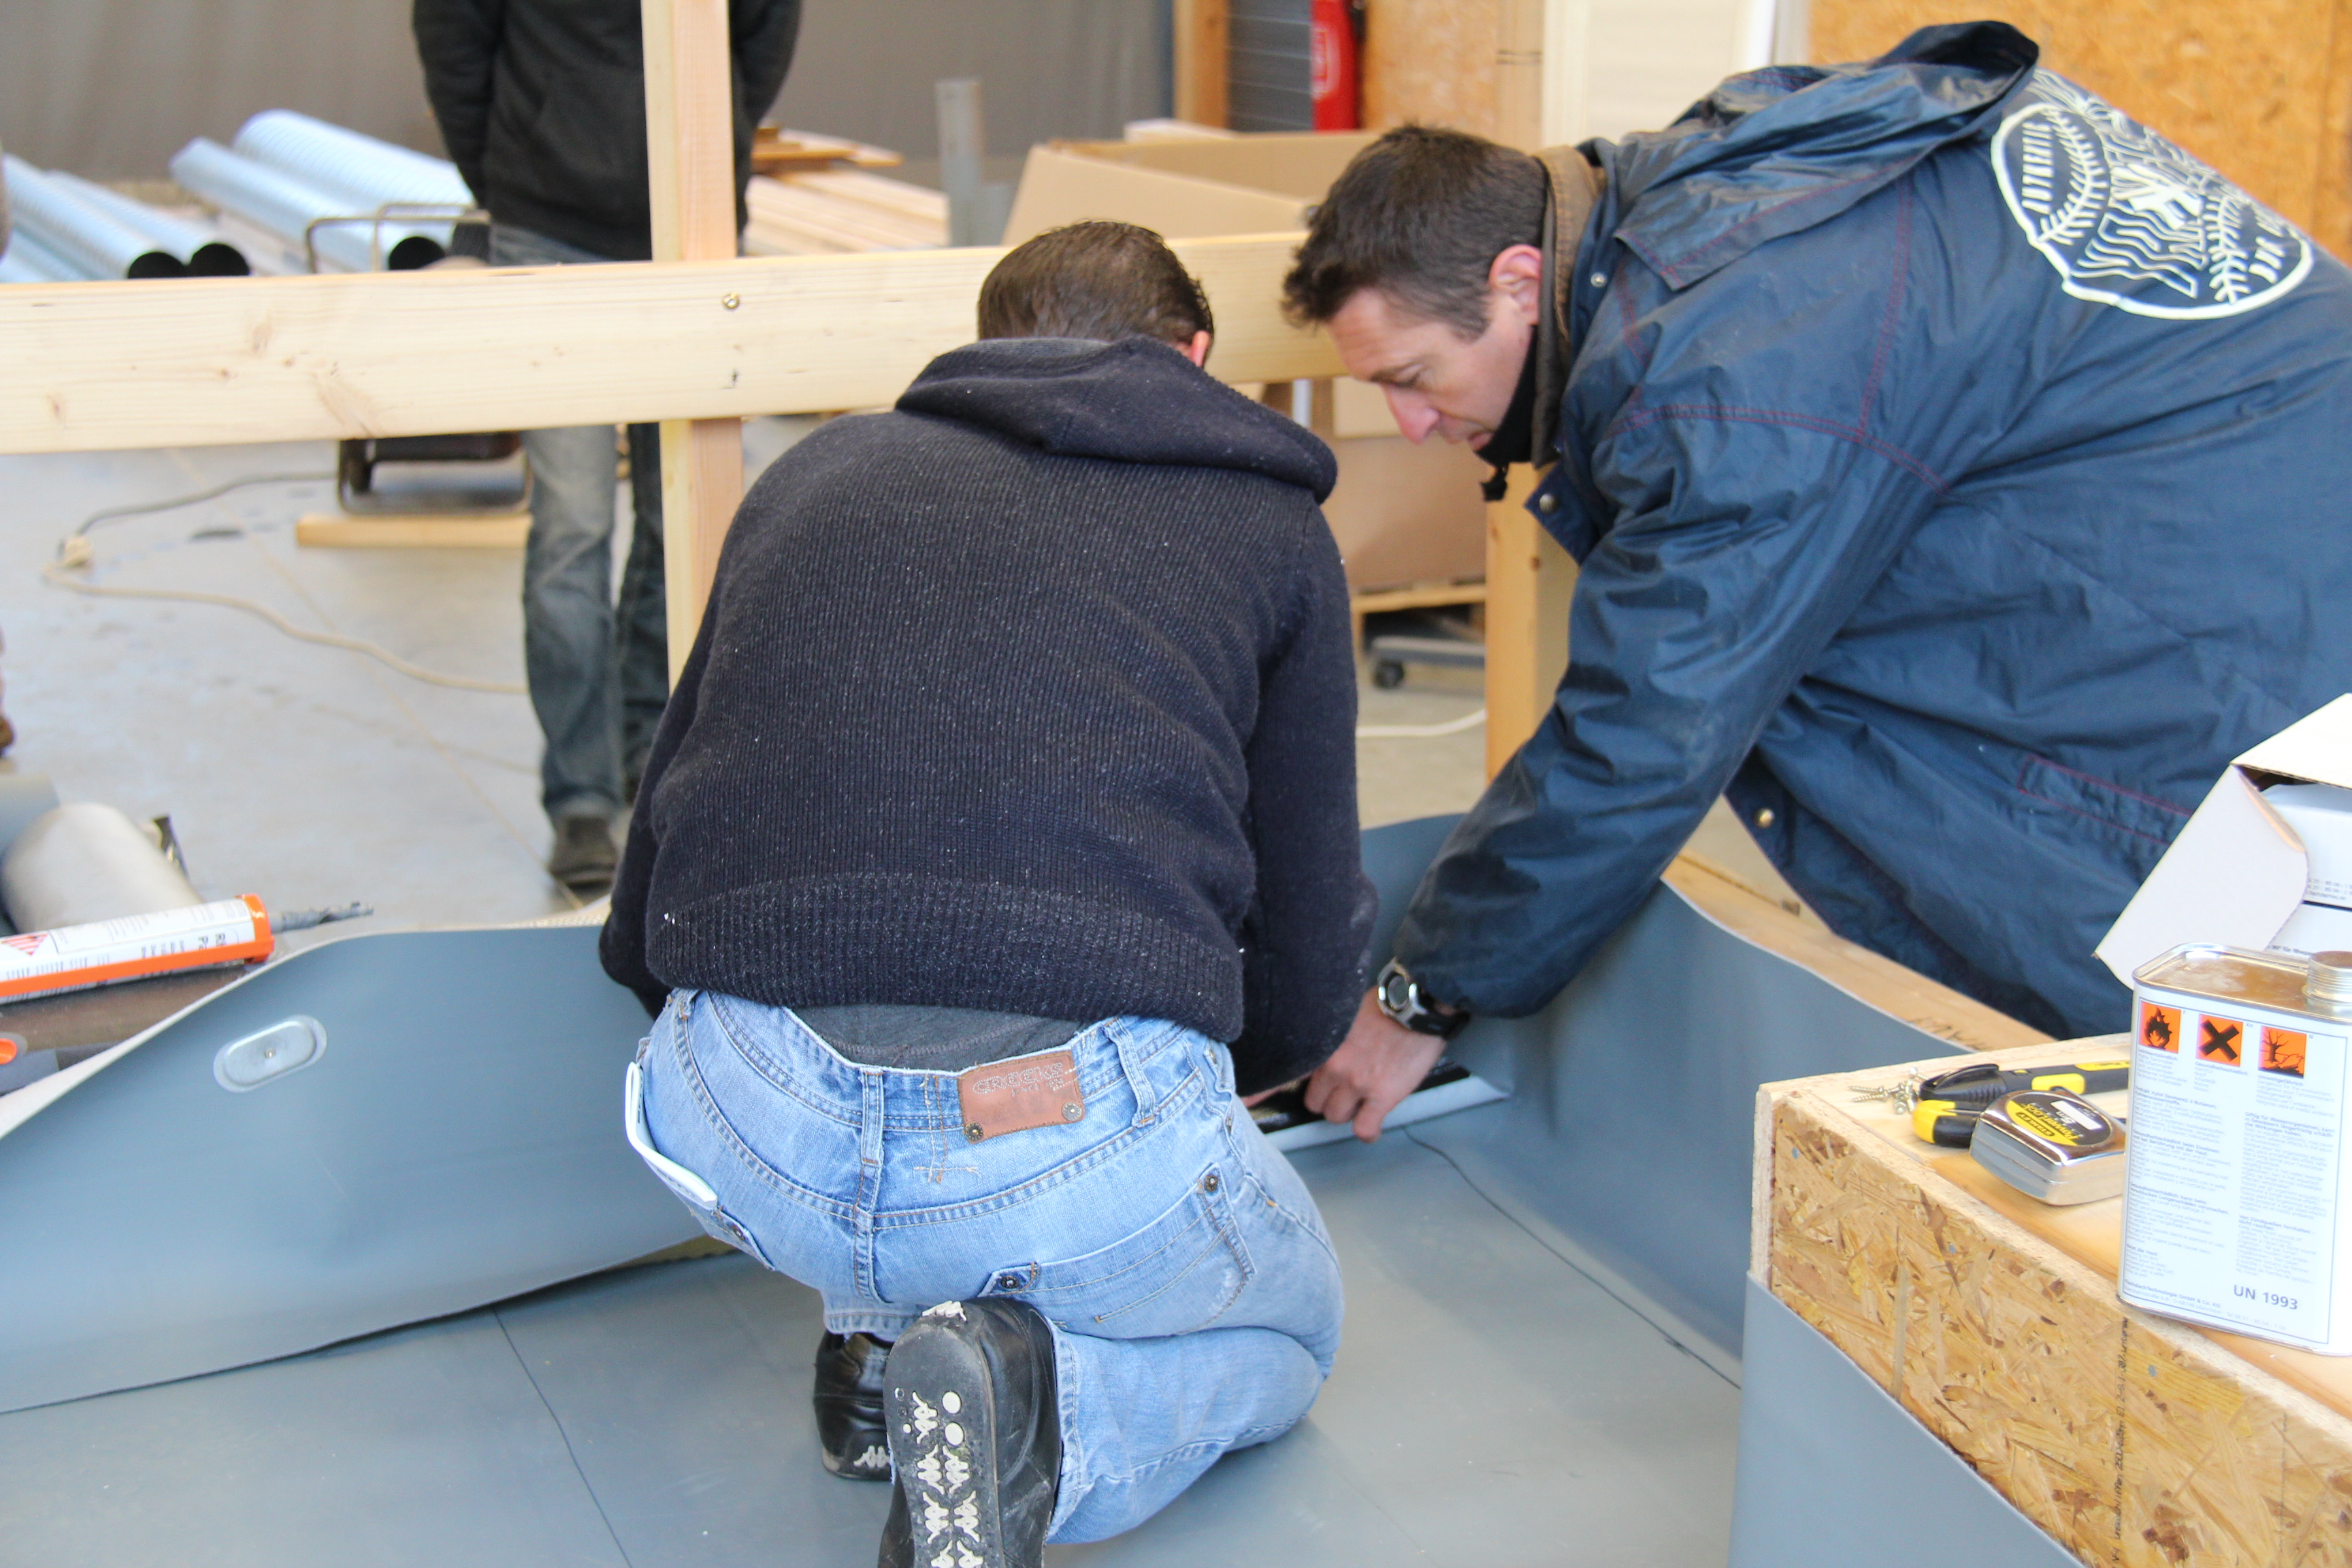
{"x": 1432, "y": 62}
{"x": 2258, "y": 89}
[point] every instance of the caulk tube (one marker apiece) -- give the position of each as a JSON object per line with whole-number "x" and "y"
{"x": 74, "y": 958}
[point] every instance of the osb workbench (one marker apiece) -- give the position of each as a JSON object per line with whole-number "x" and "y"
{"x": 1993, "y": 1319}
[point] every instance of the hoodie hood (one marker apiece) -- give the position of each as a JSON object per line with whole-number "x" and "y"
{"x": 1779, "y": 150}
{"x": 1131, "y": 402}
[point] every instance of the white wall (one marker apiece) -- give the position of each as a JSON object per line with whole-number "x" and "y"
{"x": 1615, "y": 66}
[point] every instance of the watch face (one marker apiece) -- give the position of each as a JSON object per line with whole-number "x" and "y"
{"x": 1396, "y": 994}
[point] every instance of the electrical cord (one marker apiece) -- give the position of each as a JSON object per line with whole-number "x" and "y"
{"x": 75, "y": 553}
{"x": 116, "y": 513}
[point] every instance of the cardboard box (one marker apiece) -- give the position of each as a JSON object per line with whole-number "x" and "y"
{"x": 1402, "y": 514}
{"x": 2238, "y": 872}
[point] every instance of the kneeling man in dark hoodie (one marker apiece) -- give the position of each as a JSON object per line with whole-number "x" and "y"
{"x": 1000, "y": 832}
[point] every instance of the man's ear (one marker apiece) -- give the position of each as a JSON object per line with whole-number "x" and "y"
{"x": 1197, "y": 351}
{"x": 1517, "y": 275}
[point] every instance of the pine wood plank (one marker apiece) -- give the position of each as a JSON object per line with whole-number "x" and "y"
{"x": 1203, "y": 41}
{"x": 341, "y": 530}
{"x": 204, "y": 361}
{"x": 1528, "y": 581}
{"x": 690, "y": 142}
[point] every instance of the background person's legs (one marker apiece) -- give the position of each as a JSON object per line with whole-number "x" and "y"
{"x": 579, "y": 674}
{"x": 567, "y": 640}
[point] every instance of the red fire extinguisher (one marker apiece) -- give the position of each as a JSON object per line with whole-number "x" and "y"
{"x": 1332, "y": 42}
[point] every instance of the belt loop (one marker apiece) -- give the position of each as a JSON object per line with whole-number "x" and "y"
{"x": 872, "y": 1108}
{"x": 1147, "y": 1104}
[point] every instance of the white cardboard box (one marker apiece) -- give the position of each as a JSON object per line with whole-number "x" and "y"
{"x": 2238, "y": 871}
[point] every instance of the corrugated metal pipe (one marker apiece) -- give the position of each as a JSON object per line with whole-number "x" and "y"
{"x": 285, "y": 205}
{"x": 96, "y": 244}
{"x": 369, "y": 172}
{"x": 27, "y": 261}
{"x": 198, "y": 245}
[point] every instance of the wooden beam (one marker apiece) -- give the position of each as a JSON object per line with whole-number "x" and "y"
{"x": 1519, "y": 78}
{"x": 205, "y": 360}
{"x": 1528, "y": 580}
{"x": 417, "y": 530}
{"x": 1203, "y": 46}
{"x": 690, "y": 160}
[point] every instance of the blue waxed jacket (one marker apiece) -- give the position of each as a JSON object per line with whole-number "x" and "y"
{"x": 1960, "y": 474}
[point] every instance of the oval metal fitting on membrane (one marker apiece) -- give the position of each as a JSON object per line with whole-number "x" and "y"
{"x": 269, "y": 1054}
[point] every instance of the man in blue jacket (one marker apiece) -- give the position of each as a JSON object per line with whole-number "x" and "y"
{"x": 1958, "y": 471}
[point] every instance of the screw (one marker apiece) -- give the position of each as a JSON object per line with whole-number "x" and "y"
{"x": 731, "y": 301}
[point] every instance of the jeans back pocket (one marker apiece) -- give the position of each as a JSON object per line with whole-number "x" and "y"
{"x": 689, "y": 1188}
{"x": 1177, "y": 1274}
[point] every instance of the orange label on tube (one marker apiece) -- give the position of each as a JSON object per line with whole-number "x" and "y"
{"x": 73, "y": 958}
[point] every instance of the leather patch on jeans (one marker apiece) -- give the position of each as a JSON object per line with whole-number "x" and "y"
{"x": 1016, "y": 1095}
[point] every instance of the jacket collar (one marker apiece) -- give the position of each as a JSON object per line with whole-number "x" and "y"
{"x": 1575, "y": 190}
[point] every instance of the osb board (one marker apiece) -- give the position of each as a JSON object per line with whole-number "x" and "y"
{"x": 2132, "y": 1440}
{"x": 1473, "y": 65}
{"x": 2261, "y": 89}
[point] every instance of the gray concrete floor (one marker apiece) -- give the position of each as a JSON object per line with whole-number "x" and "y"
{"x": 316, "y": 776}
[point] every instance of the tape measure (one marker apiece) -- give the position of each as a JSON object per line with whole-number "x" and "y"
{"x": 1944, "y": 1108}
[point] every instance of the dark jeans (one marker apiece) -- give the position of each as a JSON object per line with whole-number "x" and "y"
{"x": 599, "y": 674}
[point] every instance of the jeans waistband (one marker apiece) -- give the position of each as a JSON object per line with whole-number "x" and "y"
{"x": 1142, "y": 1055}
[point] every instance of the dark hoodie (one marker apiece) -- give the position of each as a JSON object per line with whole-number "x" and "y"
{"x": 541, "y": 105}
{"x": 1033, "y": 695}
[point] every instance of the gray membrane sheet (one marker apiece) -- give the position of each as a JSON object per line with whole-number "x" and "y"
{"x": 1544, "y": 1294}
{"x": 1492, "y": 1406}
{"x": 1834, "y": 1474}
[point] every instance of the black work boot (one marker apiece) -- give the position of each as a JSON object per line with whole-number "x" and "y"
{"x": 584, "y": 857}
{"x": 976, "y": 1435}
{"x": 849, "y": 1402}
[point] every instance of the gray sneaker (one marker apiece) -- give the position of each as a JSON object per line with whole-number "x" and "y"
{"x": 583, "y": 858}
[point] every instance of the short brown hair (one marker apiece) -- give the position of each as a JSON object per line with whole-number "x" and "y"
{"x": 1420, "y": 214}
{"x": 1095, "y": 279}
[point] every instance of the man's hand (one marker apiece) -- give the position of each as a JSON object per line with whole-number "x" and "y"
{"x": 1377, "y": 1064}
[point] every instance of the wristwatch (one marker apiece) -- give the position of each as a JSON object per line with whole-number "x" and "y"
{"x": 1401, "y": 998}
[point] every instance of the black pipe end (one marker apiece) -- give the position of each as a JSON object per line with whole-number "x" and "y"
{"x": 157, "y": 264}
{"x": 217, "y": 258}
{"x": 414, "y": 254}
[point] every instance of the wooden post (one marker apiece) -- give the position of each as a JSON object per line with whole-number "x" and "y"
{"x": 1519, "y": 73}
{"x": 1528, "y": 580}
{"x": 690, "y": 149}
{"x": 1203, "y": 33}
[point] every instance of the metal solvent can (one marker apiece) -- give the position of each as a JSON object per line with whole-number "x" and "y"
{"x": 2236, "y": 1212}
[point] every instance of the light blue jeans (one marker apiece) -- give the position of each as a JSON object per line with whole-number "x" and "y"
{"x": 1193, "y": 1289}
{"x": 598, "y": 676}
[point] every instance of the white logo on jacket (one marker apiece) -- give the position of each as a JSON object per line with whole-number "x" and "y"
{"x": 2130, "y": 220}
